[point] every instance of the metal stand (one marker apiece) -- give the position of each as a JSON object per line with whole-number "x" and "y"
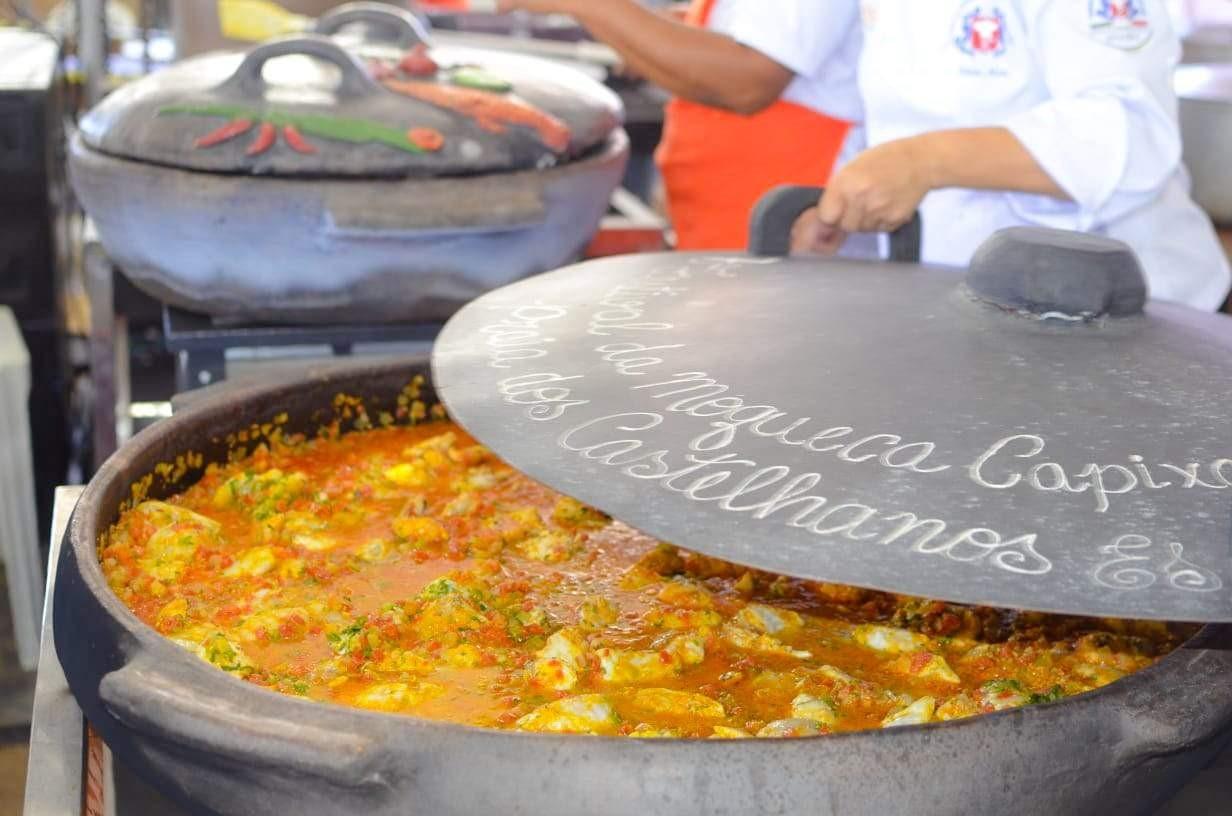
{"x": 92, "y": 44}
{"x": 200, "y": 345}
{"x": 55, "y": 772}
{"x": 70, "y": 771}
{"x": 108, "y": 355}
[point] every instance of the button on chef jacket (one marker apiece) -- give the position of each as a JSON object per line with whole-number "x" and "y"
{"x": 1086, "y": 86}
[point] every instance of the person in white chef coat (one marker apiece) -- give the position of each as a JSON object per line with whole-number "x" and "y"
{"x": 984, "y": 114}
{"x": 765, "y": 94}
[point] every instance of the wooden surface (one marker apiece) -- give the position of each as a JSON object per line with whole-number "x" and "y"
{"x": 12, "y": 777}
{"x": 16, "y": 693}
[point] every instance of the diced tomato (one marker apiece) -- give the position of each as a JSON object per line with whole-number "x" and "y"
{"x": 949, "y": 624}
{"x": 228, "y": 614}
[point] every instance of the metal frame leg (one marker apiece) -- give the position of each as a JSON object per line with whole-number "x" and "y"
{"x": 199, "y": 368}
{"x": 103, "y": 350}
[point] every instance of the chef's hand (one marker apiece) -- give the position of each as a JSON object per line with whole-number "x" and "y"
{"x": 883, "y": 186}
{"x": 811, "y": 237}
{"x": 879, "y": 190}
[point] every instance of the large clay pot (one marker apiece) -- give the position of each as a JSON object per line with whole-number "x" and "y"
{"x": 223, "y": 746}
{"x": 325, "y": 178}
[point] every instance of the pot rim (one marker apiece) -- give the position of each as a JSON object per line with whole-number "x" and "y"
{"x": 480, "y": 107}
{"x": 523, "y": 196}
{"x": 84, "y": 529}
{"x": 614, "y": 141}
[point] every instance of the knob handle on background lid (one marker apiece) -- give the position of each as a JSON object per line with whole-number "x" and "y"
{"x": 1049, "y": 271}
{"x": 407, "y": 29}
{"x": 249, "y": 82}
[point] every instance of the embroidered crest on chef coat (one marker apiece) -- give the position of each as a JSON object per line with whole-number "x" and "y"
{"x": 981, "y": 31}
{"x": 1120, "y": 23}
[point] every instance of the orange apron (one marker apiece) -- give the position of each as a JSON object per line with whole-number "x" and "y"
{"x": 716, "y": 164}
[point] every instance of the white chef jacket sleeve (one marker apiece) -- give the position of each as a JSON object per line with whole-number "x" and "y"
{"x": 800, "y": 35}
{"x": 1109, "y": 135}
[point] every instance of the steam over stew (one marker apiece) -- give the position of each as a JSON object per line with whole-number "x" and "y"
{"x": 407, "y": 570}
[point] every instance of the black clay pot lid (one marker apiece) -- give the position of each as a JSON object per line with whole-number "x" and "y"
{"x": 1027, "y": 435}
{"x": 320, "y": 105}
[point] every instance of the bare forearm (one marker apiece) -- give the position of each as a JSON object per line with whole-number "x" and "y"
{"x": 882, "y": 187}
{"x": 692, "y": 63}
{"x": 983, "y": 159}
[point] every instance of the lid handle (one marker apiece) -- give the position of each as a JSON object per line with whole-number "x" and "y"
{"x": 1058, "y": 273}
{"x": 776, "y": 211}
{"x": 409, "y": 30}
{"x": 249, "y": 82}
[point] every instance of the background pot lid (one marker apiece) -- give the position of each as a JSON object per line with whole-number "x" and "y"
{"x": 308, "y": 106}
{"x": 1026, "y": 437}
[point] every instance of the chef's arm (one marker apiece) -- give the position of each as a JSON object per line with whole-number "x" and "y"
{"x": 880, "y": 189}
{"x": 989, "y": 158}
{"x": 1108, "y": 133}
{"x": 692, "y": 63}
{"x": 1103, "y": 144}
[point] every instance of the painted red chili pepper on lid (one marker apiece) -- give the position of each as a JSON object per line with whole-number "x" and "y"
{"x": 426, "y": 138}
{"x": 264, "y": 141}
{"x": 296, "y": 141}
{"x": 225, "y": 133}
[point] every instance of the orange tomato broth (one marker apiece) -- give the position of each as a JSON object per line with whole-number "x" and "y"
{"x": 408, "y": 570}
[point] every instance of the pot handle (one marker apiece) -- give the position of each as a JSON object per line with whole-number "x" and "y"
{"x": 248, "y": 82}
{"x": 1056, "y": 273}
{"x": 410, "y": 29}
{"x": 1161, "y": 721}
{"x": 777, "y": 210}
{"x": 145, "y": 700}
